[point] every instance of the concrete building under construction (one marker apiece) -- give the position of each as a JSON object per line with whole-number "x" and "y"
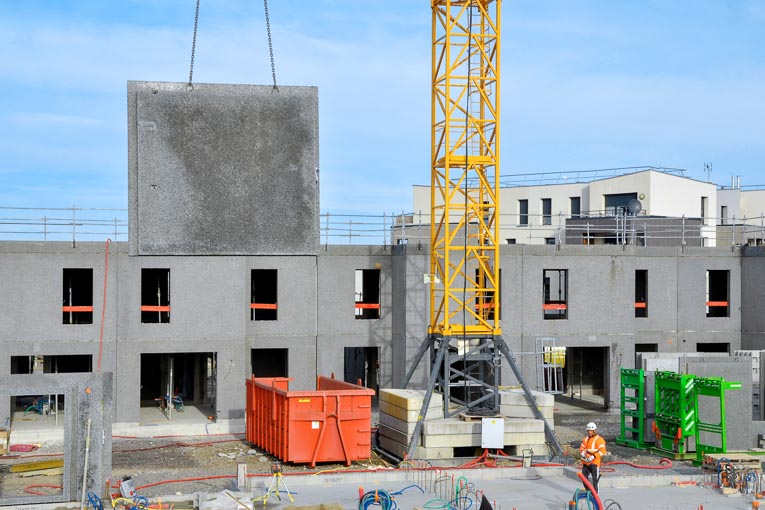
{"x": 224, "y": 276}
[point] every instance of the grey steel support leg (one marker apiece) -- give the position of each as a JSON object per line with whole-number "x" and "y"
{"x": 498, "y": 341}
{"x": 426, "y": 402}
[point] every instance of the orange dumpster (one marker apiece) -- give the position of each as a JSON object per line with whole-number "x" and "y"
{"x": 331, "y": 424}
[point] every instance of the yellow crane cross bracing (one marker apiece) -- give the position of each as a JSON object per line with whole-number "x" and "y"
{"x": 464, "y": 255}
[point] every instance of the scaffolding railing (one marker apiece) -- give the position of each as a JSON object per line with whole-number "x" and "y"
{"x": 589, "y": 227}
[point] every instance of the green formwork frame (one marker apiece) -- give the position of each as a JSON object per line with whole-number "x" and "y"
{"x": 712, "y": 387}
{"x": 675, "y": 418}
{"x": 632, "y": 431}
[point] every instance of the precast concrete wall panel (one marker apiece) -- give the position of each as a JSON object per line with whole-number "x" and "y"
{"x": 338, "y": 326}
{"x": 693, "y": 325}
{"x": 296, "y": 296}
{"x": 222, "y": 169}
{"x": 752, "y": 292}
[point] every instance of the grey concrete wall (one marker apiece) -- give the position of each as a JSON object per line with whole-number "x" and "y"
{"x": 338, "y": 327}
{"x": 210, "y": 308}
{"x": 223, "y": 169}
{"x": 752, "y": 293}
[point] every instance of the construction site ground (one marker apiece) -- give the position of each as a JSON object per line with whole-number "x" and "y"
{"x": 175, "y": 468}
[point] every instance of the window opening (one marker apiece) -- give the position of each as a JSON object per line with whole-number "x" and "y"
{"x": 641, "y": 293}
{"x": 263, "y": 295}
{"x": 523, "y": 212}
{"x": 511, "y": 240}
{"x": 639, "y": 348}
{"x": 485, "y": 298}
{"x": 155, "y": 295}
{"x": 55, "y": 364}
{"x": 718, "y": 285}
{"x": 362, "y": 366}
{"x": 367, "y": 290}
{"x": 547, "y": 211}
{"x": 616, "y": 204}
{"x": 555, "y": 293}
{"x": 576, "y": 207}
{"x": 723, "y": 214}
{"x": 713, "y": 347}
{"x": 704, "y": 201}
{"x": 550, "y": 240}
{"x": 78, "y": 296}
{"x": 270, "y": 362}
{"x": 173, "y": 381}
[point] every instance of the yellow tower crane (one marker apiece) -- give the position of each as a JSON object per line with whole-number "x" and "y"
{"x": 464, "y": 333}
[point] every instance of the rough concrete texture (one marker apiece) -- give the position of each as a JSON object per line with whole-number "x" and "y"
{"x": 87, "y": 428}
{"x": 410, "y": 399}
{"x": 223, "y": 169}
{"x": 456, "y": 426}
{"x": 738, "y": 403}
{"x": 410, "y": 415}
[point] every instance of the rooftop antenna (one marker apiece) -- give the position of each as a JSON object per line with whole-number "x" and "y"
{"x": 708, "y": 170}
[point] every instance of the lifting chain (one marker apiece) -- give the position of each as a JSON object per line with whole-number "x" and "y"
{"x": 270, "y": 45}
{"x": 194, "y": 44}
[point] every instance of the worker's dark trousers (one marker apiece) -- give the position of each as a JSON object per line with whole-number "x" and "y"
{"x": 594, "y": 472}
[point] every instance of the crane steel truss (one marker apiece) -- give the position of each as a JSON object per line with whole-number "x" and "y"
{"x": 464, "y": 259}
{"x": 464, "y": 341}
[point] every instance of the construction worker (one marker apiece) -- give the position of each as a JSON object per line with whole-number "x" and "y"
{"x": 591, "y": 452}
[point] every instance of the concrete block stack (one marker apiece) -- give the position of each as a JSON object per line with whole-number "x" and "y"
{"x": 399, "y": 409}
{"x": 513, "y": 404}
{"x": 447, "y": 432}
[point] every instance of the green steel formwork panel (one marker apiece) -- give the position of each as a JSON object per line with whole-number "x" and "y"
{"x": 632, "y": 431}
{"x": 675, "y": 418}
{"x": 714, "y": 387}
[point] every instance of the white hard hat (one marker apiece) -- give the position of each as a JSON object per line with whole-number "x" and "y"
{"x": 592, "y": 426}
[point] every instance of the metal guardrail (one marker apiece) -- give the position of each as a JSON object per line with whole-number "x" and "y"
{"x": 82, "y": 224}
{"x": 63, "y": 224}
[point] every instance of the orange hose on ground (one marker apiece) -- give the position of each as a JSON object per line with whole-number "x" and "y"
{"x": 35, "y": 493}
{"x": 663, "y": 464}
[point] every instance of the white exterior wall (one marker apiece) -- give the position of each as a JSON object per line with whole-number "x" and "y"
{"x": 660, "y": 194}
{"x": 752, "y": 203}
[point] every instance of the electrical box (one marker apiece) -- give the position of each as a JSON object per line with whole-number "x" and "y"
{"x": 493, "y": 433}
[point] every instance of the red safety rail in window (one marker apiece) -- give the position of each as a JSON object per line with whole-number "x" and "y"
{"x": 640, "y": 304}
{"x": 76, "y": 309}
{"x": 554, "y": 306}
{"x": 368, "y": 306}
{"x": 263, "y": 306}
{"x": 717, "y": 303}
{"x": 149, "y": 308}
{"x": 484, "y": 305}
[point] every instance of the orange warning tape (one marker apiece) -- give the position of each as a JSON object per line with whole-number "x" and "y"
{"x": 263, "y": 306}
{"x": 484, "y": 305}
{"x": 368, "y": 306}
{"x": 146, "y": 308}
{"x": 76, "y": 308}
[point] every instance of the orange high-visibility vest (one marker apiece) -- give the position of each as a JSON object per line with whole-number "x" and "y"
{"x": 595, "y": 446}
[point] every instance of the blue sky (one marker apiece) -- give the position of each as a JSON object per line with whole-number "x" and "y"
{"x": 585, "y": 85}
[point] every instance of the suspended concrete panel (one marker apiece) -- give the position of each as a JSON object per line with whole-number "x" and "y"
{"x": 223, "y": 169}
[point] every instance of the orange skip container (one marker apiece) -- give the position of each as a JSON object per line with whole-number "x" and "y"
{"x": 331, "y": 424}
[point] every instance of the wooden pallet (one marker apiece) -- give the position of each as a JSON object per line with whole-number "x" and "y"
{"x": 740, "y": 461}
{"x": 477, "y": 417}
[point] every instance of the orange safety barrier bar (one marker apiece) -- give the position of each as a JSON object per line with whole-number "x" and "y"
{"x": 484, "y": 305}
{"x": 717, "y": 303}
{"x": 146, "y": 308}
{"x": 640, "y": 304}
{"x": 554, "y": 306}
{"x": 76, "y": 308}
{"x": 263, "y": 306}
{"x": 368, "y": 306}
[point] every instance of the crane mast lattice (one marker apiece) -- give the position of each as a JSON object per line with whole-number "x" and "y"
{"x": 464, "y": 341}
